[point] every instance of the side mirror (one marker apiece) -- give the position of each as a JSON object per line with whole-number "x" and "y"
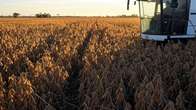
{"x": 135, "y": 2}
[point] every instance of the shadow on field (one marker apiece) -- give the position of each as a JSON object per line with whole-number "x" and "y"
{"x": 156, "y": 77}
{"x": 150, "y": 77}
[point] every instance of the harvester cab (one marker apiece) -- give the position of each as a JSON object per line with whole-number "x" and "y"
{"x": 163, "y": 20}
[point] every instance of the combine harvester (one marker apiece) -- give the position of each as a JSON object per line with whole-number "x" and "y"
{"x": 163, "y": 20}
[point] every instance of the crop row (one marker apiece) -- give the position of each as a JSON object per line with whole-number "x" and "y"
{"x": 93, "y": 65}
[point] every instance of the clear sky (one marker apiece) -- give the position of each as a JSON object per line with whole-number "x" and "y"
{"x": 67, "y": 7}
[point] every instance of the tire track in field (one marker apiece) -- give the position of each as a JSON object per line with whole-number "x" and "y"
{"x": 71, "y": 89}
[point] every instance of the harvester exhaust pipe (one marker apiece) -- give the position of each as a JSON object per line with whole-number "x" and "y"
{"x": 128, "y": 3}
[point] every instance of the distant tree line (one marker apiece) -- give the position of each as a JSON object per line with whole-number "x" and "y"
{"x": 133, "y": 15}
{"x": 43, "y": 15}
{"x": 16, "y": 15}
{"x": 39, "y": 15}
{"x": 48, "y": 15}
